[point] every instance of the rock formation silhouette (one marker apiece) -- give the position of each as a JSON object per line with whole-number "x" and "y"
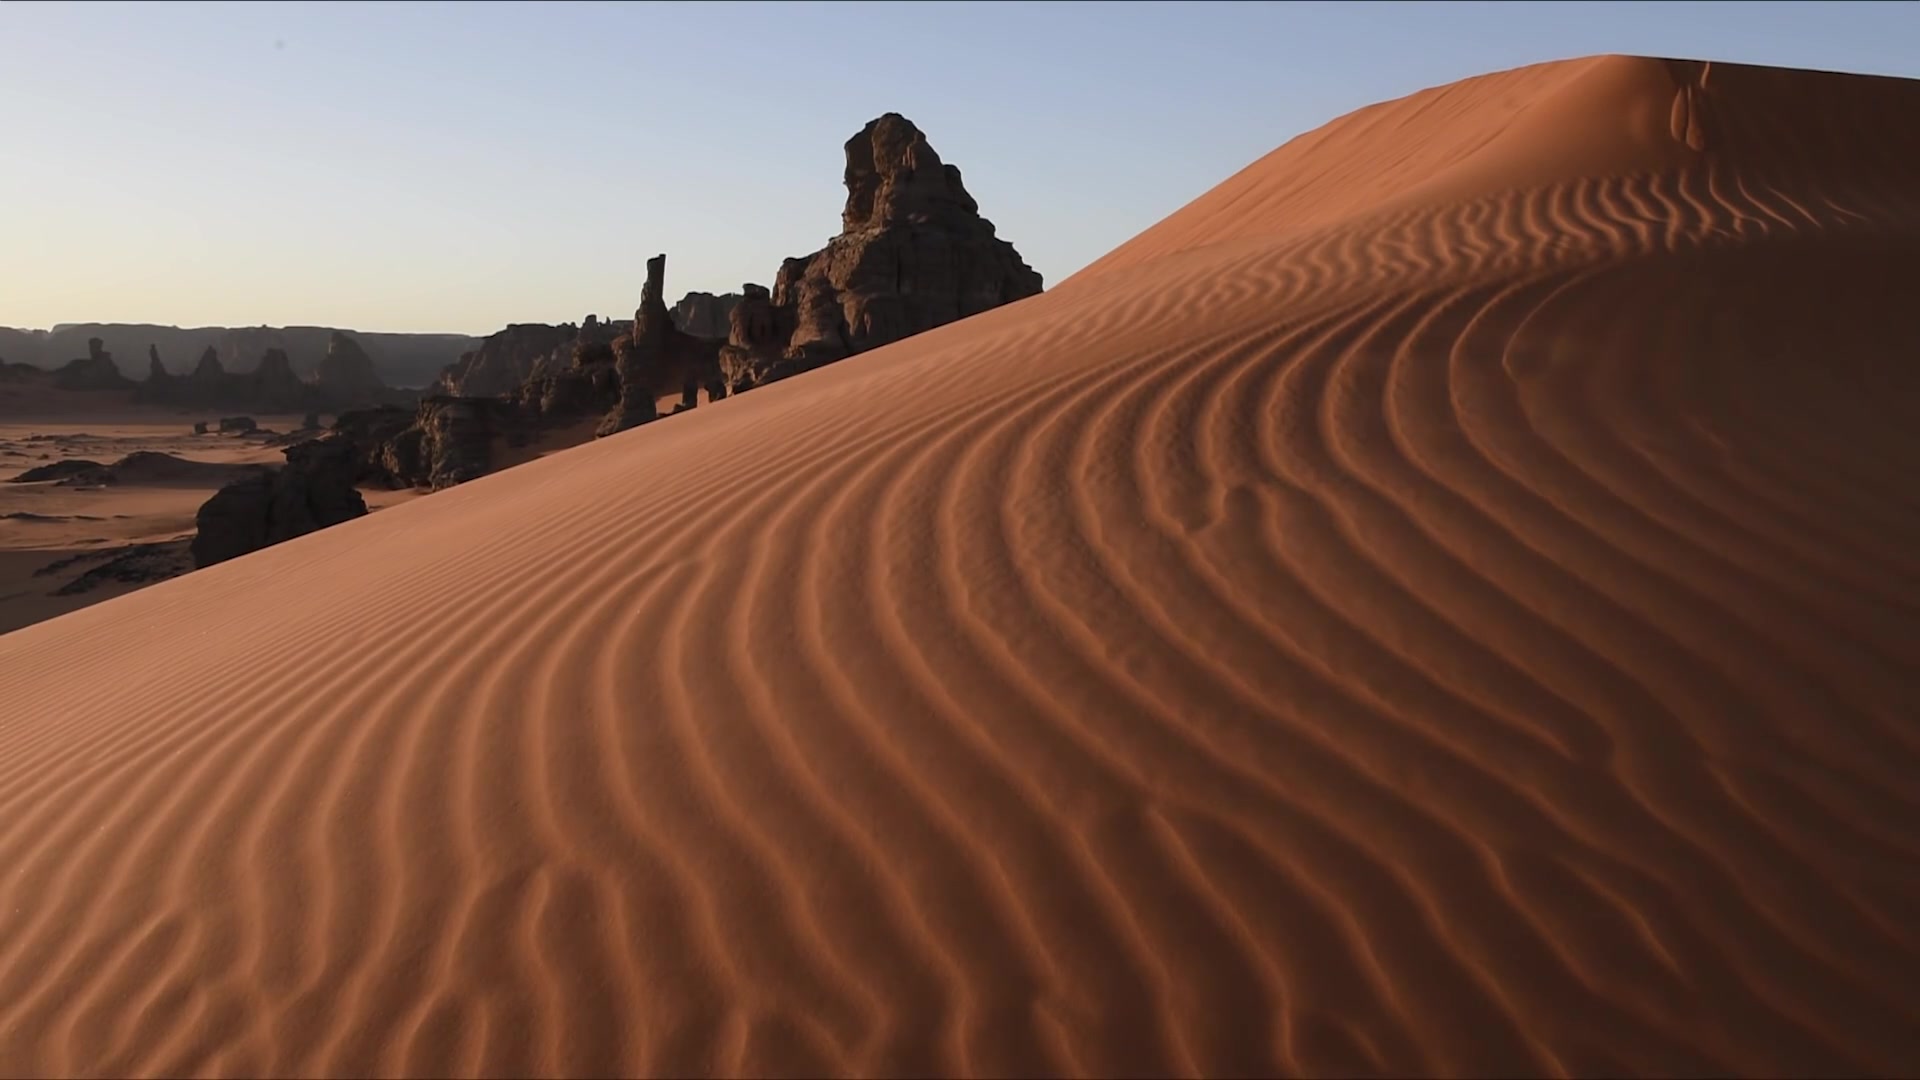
{"x": 913, "y": 253}
{"x": 95, "y": 371}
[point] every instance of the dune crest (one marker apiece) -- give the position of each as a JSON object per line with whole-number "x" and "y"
{"x": 1488, "y": 646}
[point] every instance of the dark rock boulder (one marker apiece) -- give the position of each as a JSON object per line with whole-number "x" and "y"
{"x": 371, "y": 432}
{"x": 313, "y": 490}
{"x": 445, "y": 441}
{"x": 235, "y": 521}
{"x": 456, "y": 439}
{"x": 96, "y": 371}
{"x": 237, "y": 425}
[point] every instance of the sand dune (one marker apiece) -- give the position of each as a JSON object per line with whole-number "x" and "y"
{"x": 1446, "y": 602}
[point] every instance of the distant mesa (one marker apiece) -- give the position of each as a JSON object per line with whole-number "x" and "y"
{"x": 401, "y": 360}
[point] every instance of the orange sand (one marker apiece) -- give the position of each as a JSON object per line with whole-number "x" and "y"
{"x": 1445, "y": 602}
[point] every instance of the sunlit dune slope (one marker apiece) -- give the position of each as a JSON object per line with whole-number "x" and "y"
{"x": 1446, "y": 602}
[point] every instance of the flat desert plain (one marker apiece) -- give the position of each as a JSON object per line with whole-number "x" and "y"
{"x": 1445, "y": 602}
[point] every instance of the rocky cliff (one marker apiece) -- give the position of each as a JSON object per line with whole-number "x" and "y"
{"x": 913, "y": 253}
{"x": 703, "y": 314}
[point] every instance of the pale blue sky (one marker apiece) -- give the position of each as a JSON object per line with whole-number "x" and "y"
{"x": 399, "y": 166}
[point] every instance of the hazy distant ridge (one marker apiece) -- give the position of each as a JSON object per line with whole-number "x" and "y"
{"x": 400, "y": 359}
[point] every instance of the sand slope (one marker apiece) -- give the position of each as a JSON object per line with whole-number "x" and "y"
{"x": 1447, "y": 602}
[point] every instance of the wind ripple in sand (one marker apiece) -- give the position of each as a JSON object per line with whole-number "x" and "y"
{"x": 1461, "y": 626}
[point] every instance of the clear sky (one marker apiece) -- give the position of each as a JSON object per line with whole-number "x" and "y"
{"x": 402, "y": 166}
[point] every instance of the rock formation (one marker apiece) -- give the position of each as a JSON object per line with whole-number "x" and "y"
{"x": 158, "y": 377}
{"x": 456, "y": 439}
{"x": 386, "y": 444}
{"x": 313, "y": 490}
{"x": 757, "y": 339}
{"x": 22, "y": 373}
{"x": 209, "y": 371}
{"x": 507, "y": 359}
{"x": 274, "y": 387}
{"x": 346, "y": 379}
{"x": 96, "y": 371}
{"x": 346, "y": 374}
{"x": 656, "y": 358}
{"x": 69, "y": 471}
{"x": 913, "y": 253}
{"x": 705, "y": 315}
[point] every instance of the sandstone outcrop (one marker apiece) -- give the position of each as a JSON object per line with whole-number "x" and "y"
{"x": 456, "y": 439}
{"x": 705, "y": 315}
{"x": 656, "y": 358}
{"x": 209, "y": 371}
{"x": 158, "y": 377}
{"x": 313, "y": 490}
{"x": 913, "y": 253}
{"x": 346, "y": 373}
{"x": 445, "y": 441}
{"x": 96, "y": 371}
{"x": 507, "y": 359}
{"x": 274, "y": 387}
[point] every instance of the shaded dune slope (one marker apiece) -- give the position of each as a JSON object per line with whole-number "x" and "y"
{"x": 1446, "y": 602}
